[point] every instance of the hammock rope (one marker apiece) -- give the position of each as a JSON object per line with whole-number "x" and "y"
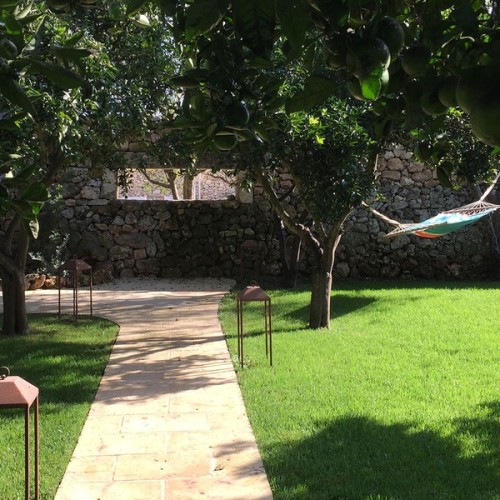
{"x": 445, "y": 222}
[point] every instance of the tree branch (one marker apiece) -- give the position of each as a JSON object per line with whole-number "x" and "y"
{"x": 298, "y": 229}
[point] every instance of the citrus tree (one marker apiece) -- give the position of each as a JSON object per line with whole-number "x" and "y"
{"x": 414, "y": 58}
{"x": 39, "y": 96}
{"x": 332, "y": 157}
{"x": 77, "y": 80}
{"x": 412, "y": 61}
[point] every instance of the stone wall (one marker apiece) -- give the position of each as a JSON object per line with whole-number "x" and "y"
{"x": 124, "y": 238}
{"x": 412, "y": 193}
{"x": 207, "y": 238}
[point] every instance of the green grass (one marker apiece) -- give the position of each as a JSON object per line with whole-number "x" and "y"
{"x": 400, "y": 399}
{"x": 65, "y": 360}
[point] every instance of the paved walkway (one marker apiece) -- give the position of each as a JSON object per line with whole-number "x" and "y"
{"x": 168, "y": 420}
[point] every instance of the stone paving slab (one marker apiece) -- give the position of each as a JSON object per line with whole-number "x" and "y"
{"x": 168, "y": 421}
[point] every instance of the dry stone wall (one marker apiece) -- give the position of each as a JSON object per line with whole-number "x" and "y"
{"x": 412, "y": 193}
{"x": 122, "y": 238}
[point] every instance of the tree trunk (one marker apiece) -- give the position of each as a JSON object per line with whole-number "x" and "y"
{"x": 15, "y": 319}
{"x": 172, "y": 176}
{"x": 12, "y": 266}
{"x": 319, "y": 311}
{"x": 290, "y": 257}
{"x": 293, "y": 262}
{"x": 14, "y": 246}
{"x": 188, "y": 187}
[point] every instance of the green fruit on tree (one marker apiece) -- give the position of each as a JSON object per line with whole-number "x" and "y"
{"x": 430, "y": 103}
{"x": 367, "y": 55}
{"x": 447, "y": 91}
{"x": 354, "y": 88}
{"x": 415, "y": 60}
{"x": 237, "y": 115}
{"x": 335, "y": 52}
{"x": 391, "y": 32}
{"x": 485, "y": 118}
{"x": 472, "y": 85}
{"x": 199, "y": 108}
{"x": 384, "y": 78}
{"x": 225, "y": 142}
{"x": 335, "y": 61}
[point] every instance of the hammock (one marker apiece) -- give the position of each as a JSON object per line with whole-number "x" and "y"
{"x": 445, "y": 222}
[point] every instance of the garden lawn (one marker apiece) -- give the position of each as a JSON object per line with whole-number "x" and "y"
{"x": 65, "y": 360}
{"x": 400, "y": 399}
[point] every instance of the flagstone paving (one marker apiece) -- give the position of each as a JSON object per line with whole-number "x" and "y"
{"x": 168, "y": 420}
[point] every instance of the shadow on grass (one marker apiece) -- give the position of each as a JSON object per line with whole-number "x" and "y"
{"x": 344, "y": 304}
{"x": 355, "y": 457}
{"x": 63, "y": 369}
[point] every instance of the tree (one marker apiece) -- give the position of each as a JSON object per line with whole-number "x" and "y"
{"x": 332, "y": 159}
{"x": 416, "y": 58}
{"x": 413, "y": 60}
{"x": 32, "y": 150}
{"x": 66, "y": 95}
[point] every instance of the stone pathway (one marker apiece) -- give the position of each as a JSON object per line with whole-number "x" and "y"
{"x": 168, "y": 420}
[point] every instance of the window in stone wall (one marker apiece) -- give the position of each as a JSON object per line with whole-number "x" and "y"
{"x": 160, "y": 184}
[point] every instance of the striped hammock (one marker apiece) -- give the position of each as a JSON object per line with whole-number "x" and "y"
{"x": 445, "y": 222}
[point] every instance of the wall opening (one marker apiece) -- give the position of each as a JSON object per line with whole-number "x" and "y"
{"x": 164, "y": 184}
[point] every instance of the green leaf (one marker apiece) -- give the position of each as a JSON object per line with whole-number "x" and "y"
{"x": 114, "y": 30}
{"x": 261, "y": 131}
{"x": 465, "y": 16}
{"x": 4, "y": 193}
{"x": 12, "y": 25}
{"x": 37, "y": 207}
{"x": 74, "y": 39}
{"x": 141, "y": 20}
{"x": 14, "y": 93}
{"x": 8, "y": 4}
{"x": 316, "y": 90}
{"x": 255, "y": 23}
{"x": 134, "y": 6}
{"x": 443, "y": 177}
{"x": 24, "y": 21}
{"x": 203, "y": 15}
{"x": 33, "y": 228}
{"x": 25, "y": 174}
{"x": 70, "y": 53}
{"x": 21, "y": 207}
{"x": 371, "y": 87}
{"x": 35, "y": 192}
{"x": 21, "y": 13}
{"x": 294, "y": 19}
{"x": 20, "y": 180}
{"x": 9, "y": 122}
{"x": 58, "y": 75}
